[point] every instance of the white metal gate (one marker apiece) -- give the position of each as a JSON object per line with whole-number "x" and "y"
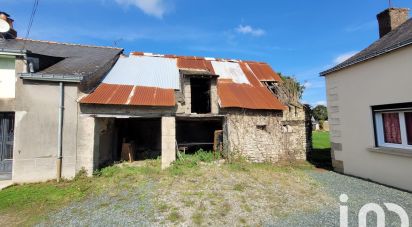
{"x": 6, "y": 142}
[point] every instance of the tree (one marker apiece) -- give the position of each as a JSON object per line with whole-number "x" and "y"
{"x": 292, "y": 89}
{"x": 320, "y": 113}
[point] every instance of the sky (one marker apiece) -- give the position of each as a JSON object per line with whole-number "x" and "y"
{"x": 298, "y": 38}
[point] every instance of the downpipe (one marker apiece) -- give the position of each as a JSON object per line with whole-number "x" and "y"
{"x": 60, "y": 134}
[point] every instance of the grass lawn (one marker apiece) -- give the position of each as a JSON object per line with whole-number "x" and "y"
{"x": 321, "y": 155}
{"x": 320, "y": 140}
{"x": 195, "y": 191}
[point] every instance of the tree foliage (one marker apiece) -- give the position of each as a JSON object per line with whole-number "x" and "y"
{"x": 320, "y": 113}
{"x": 293, "y": 88}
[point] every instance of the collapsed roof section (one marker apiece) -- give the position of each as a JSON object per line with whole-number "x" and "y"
{"x": 144, "y": 79}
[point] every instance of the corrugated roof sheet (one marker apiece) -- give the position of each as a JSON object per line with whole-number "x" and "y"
{"x": 145, "y": 71}
{"x": 199, "y": 64}
{"x": 247, "y": 96}
{"x": 263, "y": 71}
{"x": 138, "y": 79}
{"x": 250, "y": 75}
{"x": 230, "y": 70}
{"x": 115, "y": 94}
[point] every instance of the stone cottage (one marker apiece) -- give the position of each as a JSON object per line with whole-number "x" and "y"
{"x": 66, "y": 107}
{"x": 168, "y": 103}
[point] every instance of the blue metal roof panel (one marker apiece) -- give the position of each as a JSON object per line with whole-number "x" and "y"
{"x": 145, "y": 71}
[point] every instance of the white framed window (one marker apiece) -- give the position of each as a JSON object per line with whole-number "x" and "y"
{"x": 393, "y": 128}
{"x": 7, "y": 77}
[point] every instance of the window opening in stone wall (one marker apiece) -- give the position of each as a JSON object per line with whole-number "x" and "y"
{"x": 200, "y": 95}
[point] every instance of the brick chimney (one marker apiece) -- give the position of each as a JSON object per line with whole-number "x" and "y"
{"x": 391, "y": 18}
{"x": 12, "y": 34}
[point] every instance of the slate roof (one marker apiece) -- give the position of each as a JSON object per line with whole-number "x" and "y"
{"x": 78, "y": 60}
{"x": 398, "y": 38}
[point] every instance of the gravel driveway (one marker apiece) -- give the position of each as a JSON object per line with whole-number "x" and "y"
{"x": 360, "y": 192}
{"x": 136, "y": 206}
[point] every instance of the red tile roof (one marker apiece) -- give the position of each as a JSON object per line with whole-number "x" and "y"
{"x": 114, "y": 94}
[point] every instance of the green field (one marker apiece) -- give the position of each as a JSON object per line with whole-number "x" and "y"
{"x": 320, "y": 140}
{"x": 321, "y": 155}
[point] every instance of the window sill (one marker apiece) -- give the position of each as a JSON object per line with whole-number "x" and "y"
{"x": 392, "y": 151}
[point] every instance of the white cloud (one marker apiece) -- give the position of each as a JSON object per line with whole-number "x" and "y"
{"x": 343, "y": 57}
{"x": 358, "y": 27}
{"x": 314, "y": 84}
{"x": 156, "y": 8}
{"x": 249, "y": 30}
{"x": 307, "y": 84}
{"x": 322, "y": 102}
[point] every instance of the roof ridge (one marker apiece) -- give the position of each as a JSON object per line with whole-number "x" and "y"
{"x": 150, "y": 54}
{"x": 68, "y": 44}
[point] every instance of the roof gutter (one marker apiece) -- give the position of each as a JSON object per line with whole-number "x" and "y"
{"x": 367, "y": 57}
{"x": 52, "y": 77}
{"x": 12, "y": 52}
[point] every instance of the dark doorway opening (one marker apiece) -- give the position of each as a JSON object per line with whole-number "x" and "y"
{"x": 200, "y": 94}
{"x": 6, "y": 144}
{"x": 142, "y": 134}
{"x": 195, "y": 134}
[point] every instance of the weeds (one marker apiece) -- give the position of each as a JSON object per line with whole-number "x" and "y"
{"x": 239, "y": 187}
{"x": 189, "y": 162}
{"x": 174, "y": 216}
{"x": 197, "y": 218}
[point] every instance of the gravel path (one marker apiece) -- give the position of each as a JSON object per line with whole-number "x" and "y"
{"x": 130, "y": 207}
{"x": 135, "y": 206}
{"x": 360, "y": 192}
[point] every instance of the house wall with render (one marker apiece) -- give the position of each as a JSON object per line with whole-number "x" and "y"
{"x": 379, "y": 81}
{"x": 36, "y": 108}
{"x": 265, "y": 136}
{"x": 35, "y": 144}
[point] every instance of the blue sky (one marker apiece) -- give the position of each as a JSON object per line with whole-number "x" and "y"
{"x": 296, "y": 37}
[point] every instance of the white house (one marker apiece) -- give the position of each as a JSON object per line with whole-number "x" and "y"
{"x": 370, "y": 106}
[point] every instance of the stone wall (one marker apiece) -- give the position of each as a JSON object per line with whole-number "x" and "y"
{"x": 264, "y": 136}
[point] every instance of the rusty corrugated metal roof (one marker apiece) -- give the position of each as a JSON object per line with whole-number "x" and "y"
{"x": 250, "y": 75}
{"x": 263, "y": 71}
{"x": 152, "y": 96}
{"x": 247, "y": 96}
{"x": 239, "y": 85}
{"x": 199, "y": 64}
{"x": 115, "y": 94}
